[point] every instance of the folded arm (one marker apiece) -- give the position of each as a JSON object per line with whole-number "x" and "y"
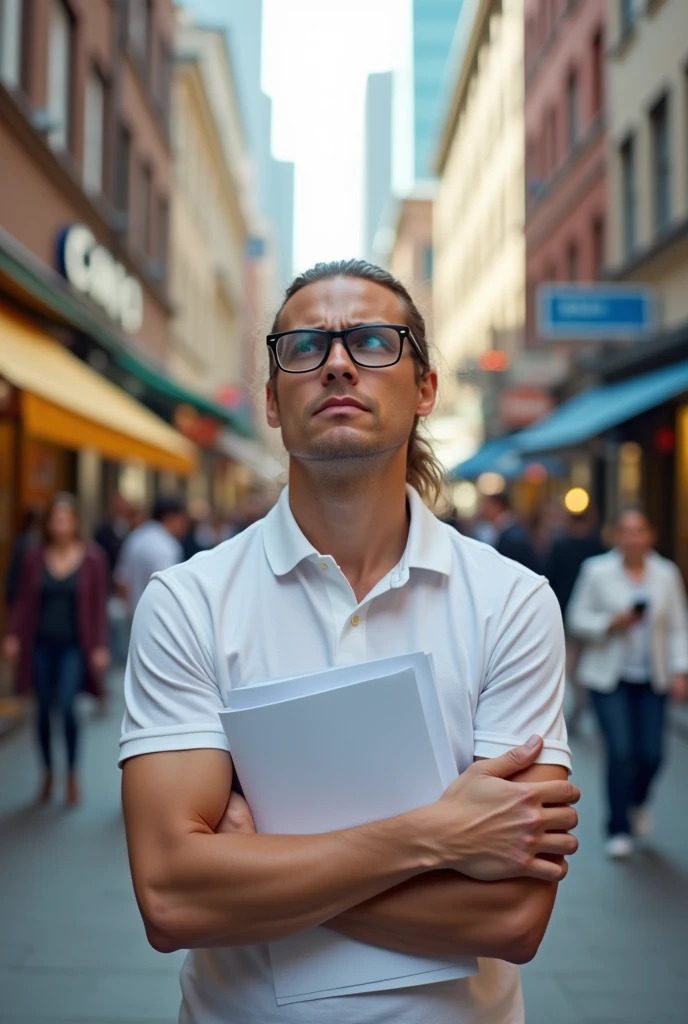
{"x": 443, "y": 913}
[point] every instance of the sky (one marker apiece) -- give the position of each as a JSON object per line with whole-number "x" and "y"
{"x": 317, "y": 55}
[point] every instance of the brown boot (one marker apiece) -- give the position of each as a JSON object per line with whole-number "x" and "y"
{"x": 46, "y": 790}
{"x": 73, "y": 790}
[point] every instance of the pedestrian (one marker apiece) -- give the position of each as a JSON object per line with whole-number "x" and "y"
{"x": 28, "y": 538}
{"x": 154, "y": 545}
{"x": 350, "y": 564}
{"x": 580, "y": 541}
{"x": 111, "y": 533}
{"x": 57, "y": 635}
{"x": 628, "y": 608}
{"x": 510, "y": 538}
{"x": 200, "y": 534}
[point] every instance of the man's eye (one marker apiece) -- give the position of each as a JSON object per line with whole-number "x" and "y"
{"x": 304, "y": 346}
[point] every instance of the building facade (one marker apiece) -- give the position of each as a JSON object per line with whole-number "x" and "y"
{"x": 479, "y": 247}
{"x": 275, "y": 178}
{"x": 565, "y": 121}
{"x": 378, "y": 158}
{"x": 434, "y": 25}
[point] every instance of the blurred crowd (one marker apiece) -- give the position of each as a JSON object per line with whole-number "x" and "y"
{"x": 71, "y": 598}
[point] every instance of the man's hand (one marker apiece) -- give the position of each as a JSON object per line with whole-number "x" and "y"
{"x": 99, "y": 659}
{"x": 490, "y": 828}
{"x": 679, "y": 688}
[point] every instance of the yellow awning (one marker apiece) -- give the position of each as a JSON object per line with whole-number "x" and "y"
{"x": 65, "y": 402}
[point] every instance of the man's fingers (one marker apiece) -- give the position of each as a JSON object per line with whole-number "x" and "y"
{"x": 559, "y": 843}
{"x": 513, "y": 761}
{"x": 555, "y": 792}
{"x": 559, "y": 819}
{"x": 547, "y": 870}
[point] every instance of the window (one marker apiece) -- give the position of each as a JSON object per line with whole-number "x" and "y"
{"x": 122, "y": 169}
{"x": 627, "y": 16}
{"x": 10, "y": 41}
{"x": 59, "y": 75}
{"x": 629, "y": 196}
{"x": 661, "y": 164}
{"x": 94, "y": 119}
{"x": 163, "y": 235}
{"x": 143, "y": 225}
{"x": 597, "y": 73}
{"x": 138, "y": 22}
{"x": 572, "y": 100}
{"x": 572, "y": 269}
{"x": 598, "y": 247}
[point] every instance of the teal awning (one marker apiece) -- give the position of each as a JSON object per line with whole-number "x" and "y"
{"x": 602, "y": 408}
{"x": 501, "y": 455}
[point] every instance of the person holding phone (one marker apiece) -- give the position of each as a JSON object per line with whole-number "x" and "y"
{"x": 629, "y": 609}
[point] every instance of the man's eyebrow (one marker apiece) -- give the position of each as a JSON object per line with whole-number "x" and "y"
{"x": 319, "y": 326}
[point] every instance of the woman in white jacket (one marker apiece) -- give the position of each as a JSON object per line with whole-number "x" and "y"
{"x": 629, "y": 609}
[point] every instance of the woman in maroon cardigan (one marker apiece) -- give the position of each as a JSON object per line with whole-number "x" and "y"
{"x": 57, "y": 633}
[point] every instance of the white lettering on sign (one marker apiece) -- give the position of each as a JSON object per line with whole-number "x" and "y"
{"x": 93, "y": 270}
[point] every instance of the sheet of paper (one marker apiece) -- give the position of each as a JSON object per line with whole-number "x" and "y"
{"x": 333, "y": 750}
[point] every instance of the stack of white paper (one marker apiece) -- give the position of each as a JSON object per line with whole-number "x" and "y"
{"x": 333, "y": 750}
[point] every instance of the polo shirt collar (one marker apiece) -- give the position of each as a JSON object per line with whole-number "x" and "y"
{"x": 428, "y": 546}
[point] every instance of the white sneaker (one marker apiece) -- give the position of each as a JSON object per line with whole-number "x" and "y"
{"x": 642, "y": 823}
{"x": 619, "y": 847}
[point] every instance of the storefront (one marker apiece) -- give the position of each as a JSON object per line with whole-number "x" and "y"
{"x": 59, "y": 419}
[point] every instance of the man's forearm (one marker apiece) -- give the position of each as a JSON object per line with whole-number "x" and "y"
{"x": 443, "y": 913}
{"x": 223, "y": 890}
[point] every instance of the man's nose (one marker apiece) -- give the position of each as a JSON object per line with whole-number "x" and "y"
{"x": 339, "y": 363}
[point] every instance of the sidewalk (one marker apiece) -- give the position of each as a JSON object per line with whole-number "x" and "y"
{"x": 72, "y": 949}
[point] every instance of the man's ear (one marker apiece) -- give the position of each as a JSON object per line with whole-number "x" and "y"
{"x": 272, "y": 405}
{"x": 427, "y": 393}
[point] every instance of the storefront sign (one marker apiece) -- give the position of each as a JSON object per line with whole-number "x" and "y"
{"x": 93, "y": 270}
{"x": 575, "y": 312}
{"x": 202, "y": 430}
{"x": 519, "y": 407}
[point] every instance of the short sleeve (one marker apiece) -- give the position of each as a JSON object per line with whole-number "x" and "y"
{"x": 523, "y": 691}
{"x": 172, "y": 698}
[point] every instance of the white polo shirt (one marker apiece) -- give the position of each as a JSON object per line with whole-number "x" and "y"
{"x": 264, "y": 605}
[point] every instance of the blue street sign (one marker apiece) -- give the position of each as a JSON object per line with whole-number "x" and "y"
{"x": 570, "y": 312}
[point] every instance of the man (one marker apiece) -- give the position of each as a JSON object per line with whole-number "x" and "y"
{"x": 349, "y": 565}
{"x": 580, "y": 542}
{"x": 110, "y": 535}
{"x": 151, "y": 547}
{"x": 511, "y": 539}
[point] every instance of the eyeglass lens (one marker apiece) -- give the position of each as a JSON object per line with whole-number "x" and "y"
{"x": 369, "y": 346}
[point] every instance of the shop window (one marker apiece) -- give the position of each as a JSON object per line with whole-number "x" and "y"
{"x": 59, "y": 75}
{"x": 661, "y": 164}
{"x": 629, "y": 196}
{"x": 10, "y": 42}
{"x": 94, "y": 120}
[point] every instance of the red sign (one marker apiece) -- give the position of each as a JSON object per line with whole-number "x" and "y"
{"x": 519, "y": 407}
{"x": 202, "y": 430}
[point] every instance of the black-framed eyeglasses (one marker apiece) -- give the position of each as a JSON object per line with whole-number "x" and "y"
{"x": 372, "y": 346}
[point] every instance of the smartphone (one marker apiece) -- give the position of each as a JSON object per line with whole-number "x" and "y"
{"x": 640, "y": 607}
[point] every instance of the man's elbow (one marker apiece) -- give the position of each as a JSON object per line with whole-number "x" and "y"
{"x": 527, "y": 932}
{"x": 162, "y": 924}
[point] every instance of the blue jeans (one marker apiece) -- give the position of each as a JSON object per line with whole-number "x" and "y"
{"x": 632, "y": 722}
{"x": 58, "y": 675}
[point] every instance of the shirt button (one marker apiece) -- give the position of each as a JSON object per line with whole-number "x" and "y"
{"x": 323, "y": 565}
{"x": 355, "y": 619}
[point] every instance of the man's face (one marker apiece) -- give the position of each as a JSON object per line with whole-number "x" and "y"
{"x": 385, "y": 401}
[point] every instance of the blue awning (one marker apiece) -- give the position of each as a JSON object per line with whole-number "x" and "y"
{"x": 602, "y": 408}
{"x": 501, "y": 456}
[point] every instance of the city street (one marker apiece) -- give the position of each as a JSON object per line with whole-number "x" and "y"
{"x": 72, "y": 947}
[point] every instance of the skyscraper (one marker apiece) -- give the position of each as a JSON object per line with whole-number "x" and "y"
{"x": 378, "y": 156}
{"x": 434, "y": 24}
{"x": 243, "y": 21}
